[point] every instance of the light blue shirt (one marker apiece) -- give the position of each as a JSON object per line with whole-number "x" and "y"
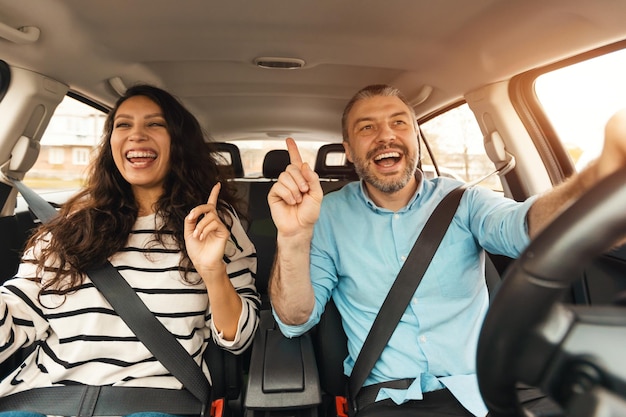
{"x": 356, "y": 254}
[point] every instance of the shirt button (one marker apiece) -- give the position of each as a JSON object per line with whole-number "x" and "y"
{"x": 403, "y": 257}
{"x": 414, "y": 301}
{"x": 396, "y": 216}
{"x": 423, "y": 339}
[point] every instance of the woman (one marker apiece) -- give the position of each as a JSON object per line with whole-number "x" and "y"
{"x": 156, "y": 207}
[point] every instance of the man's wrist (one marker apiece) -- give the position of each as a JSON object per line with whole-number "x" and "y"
{"x": 299, "y": 239}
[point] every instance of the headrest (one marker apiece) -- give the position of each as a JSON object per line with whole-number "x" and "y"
{"x": 331, "y": 162}
{"x": 275, "y": 162}
{"x": 228, "y": 156}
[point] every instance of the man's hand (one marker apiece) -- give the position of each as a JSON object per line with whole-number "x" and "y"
{"x": 206, "y": 236}
{"x": 613, "y": 155}
{"x": 296, "y": 198}
{"x": 295, "y": 201}
{"x": 612, "y": 159}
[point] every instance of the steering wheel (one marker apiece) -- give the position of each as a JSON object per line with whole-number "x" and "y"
{"x": 574, "y": 354}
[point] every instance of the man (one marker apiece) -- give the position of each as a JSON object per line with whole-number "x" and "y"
{"x": 352, "y": 246}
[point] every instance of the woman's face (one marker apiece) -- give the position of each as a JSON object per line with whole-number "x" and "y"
{"x": 140, "y": 143}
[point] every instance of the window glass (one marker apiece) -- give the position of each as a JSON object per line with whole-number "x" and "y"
{"x": 56, "y": 155}
{"x": 580, "y": 98}
{"x": 224, "y": 158}
{"x": 66, "y": 147}
{"x": 253, "y": 152}
{"x": 80, "y": 156}
{"x": 456, "y": 142}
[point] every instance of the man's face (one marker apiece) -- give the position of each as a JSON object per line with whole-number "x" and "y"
{"x": 382, "y": 142}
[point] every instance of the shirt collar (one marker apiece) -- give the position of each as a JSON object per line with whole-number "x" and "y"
{"x": 419, "y": 176}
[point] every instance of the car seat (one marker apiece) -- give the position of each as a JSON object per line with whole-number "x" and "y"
{"x": 229, "y": 158}
{"x": 331, "y": 163}
{"x": 261, "y": 229}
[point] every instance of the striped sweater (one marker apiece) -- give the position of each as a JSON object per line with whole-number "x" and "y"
{"x": 80, "y": 338}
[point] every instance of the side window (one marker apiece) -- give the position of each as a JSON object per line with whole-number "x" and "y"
{"x": 66, "y": 147}
{"x": 456, "y": 143}
{"x": 580, "y": 98}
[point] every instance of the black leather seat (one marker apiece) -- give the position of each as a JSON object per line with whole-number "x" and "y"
{"x": 333, "y": 167}
{"x": 229, "y": 158}
{"x": 262, "y": 230}
{"x": 331, "y": 163}
{"x": 274, "y": 163}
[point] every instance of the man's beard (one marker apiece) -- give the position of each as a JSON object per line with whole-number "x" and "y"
{"x": 386, "y": 185}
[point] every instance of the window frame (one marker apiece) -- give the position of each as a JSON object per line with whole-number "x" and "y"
{"x": 436, "y": 159}
{"x": 554, "y": 155}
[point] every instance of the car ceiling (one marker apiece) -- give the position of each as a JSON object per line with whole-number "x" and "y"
{"x": 203, "y": 51}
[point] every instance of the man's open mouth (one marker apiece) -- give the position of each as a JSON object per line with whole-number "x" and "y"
{"x": 387, "y": 159}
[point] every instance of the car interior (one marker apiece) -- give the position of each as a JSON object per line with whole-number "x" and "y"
{"x": 254, "y": 73}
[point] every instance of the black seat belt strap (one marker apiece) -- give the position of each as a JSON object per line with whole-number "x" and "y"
{"x": 125, "y": 301}
{"x": 159, "y": 341}
{"x": 42, "y": 209}
{"x": 89, "y": 400}
{"x": 403, "y": 289}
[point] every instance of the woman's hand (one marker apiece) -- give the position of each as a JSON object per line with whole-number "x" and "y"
{"x": 206, "y": 236}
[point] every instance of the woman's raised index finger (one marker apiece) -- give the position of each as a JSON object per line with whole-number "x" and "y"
{"x": 215, "y": 192}
{"x": 294, "y": 153}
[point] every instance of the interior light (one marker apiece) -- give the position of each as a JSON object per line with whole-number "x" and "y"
{"x": 279, "y": 63}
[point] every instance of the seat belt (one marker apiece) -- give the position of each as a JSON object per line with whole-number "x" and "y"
{"x": 125, "y": 301}
{"x": 42, "y": 209}
{"x": 159, "y": 341}
{"x": 402, "y": 290}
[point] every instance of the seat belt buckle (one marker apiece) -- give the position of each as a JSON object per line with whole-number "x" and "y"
{"x": 217, "y": 408}
{"x": 341, "y": 406}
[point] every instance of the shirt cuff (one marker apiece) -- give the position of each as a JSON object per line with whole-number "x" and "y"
{"x": 294, "y": 330}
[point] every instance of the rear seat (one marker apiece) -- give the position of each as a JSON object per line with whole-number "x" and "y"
{"x": 334, "y": 172}
{"x": 229, "y": 158}
{"x": 261, "y": 229}
{"x": 333, "y": 167}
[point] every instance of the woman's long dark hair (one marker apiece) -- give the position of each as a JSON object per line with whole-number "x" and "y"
{"x": 95, "y": 224}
